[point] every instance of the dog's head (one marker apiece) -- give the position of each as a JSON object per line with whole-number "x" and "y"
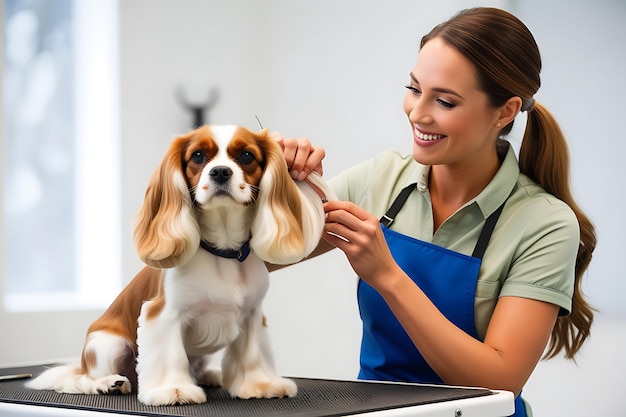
{"x": 226, "y": 184}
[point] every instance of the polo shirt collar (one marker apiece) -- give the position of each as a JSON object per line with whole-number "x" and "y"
{"x": 422, "y": 183}
{"x": 502, "y": 184}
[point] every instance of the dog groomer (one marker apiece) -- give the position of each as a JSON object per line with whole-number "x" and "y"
{"x": 470, "y": 262}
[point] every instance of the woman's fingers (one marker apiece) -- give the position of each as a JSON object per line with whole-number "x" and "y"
{"x": 301, "y": 156}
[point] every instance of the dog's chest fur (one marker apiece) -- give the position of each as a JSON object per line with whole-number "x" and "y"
{"x": 216, "y": 296}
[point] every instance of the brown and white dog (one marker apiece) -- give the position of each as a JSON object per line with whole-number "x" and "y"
{"x": 220, "y": 204}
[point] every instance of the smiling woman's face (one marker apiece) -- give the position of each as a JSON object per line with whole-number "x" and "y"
{"x": 450, "y": 117}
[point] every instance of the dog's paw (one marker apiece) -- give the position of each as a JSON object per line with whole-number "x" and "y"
{"x": 210, "y": 378}
{"x": 172, "y": 394}
{"x": 112, "y": 384}
{"x": 266, "y": 388}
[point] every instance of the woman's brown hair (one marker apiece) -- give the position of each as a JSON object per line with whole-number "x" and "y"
{"x": 508, "y": 63}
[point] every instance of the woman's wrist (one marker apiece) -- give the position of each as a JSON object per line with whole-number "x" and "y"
{"x": 391, "y": 282}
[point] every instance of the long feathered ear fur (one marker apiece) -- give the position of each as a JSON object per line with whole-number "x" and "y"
{"x": 290, "y": 217}
{"x": 166, "y": 231}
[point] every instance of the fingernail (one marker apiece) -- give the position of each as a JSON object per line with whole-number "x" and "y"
{"x": 301, "y": 176}
{"x": 294, "y": 174}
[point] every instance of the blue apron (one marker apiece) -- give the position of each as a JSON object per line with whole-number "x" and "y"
{"x": 449, "y": 280}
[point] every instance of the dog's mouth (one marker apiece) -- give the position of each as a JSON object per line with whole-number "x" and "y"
{"x": 222, "y": 192}
{"x": 219, "y": 194}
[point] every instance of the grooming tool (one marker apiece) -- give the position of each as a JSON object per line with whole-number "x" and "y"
{"x": 14, "y": 376}
{"x": 257, "y": 119}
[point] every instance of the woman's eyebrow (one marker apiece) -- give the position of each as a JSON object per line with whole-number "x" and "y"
{"x": 438, "y": 89}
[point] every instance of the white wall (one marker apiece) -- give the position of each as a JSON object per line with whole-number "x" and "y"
{"x": 334, "y": 71}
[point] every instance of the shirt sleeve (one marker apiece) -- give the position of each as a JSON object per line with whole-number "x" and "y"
{"x": 543, "y": 264}
{"x": 353, "y": 183}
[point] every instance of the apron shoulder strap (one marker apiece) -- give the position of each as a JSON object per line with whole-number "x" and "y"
{"x": 397, "y": 204}
{"x": 485, "y": 234}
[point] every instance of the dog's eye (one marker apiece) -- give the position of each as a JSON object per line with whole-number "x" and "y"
{"x": 198, "y": 157}
{"x": 245, "y": 157}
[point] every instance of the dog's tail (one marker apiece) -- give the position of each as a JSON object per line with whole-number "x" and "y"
{"x": 102, "y": 378}
{"x": 63, "y": 378}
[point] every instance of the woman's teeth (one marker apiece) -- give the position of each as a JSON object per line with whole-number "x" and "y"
{"x": 423, "y": 136}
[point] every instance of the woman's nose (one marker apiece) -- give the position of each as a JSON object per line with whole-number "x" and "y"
{"x": 418, "y": 111}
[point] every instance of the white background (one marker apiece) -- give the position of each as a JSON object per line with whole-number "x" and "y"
{"x": 334, "y": 71}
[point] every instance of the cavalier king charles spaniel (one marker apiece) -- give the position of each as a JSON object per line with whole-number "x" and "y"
{"x": 220, "y": 205}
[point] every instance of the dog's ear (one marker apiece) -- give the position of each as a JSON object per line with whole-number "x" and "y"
{"x": 166, "y": 231}
{"x": 290, "y": 217}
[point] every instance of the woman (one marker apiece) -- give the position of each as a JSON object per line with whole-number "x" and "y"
{"x": 479, "y": 259}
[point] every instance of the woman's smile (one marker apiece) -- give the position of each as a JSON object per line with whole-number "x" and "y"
{"x": 425, "y": 138}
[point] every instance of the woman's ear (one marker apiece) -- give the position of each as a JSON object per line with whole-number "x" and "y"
{"x": 290, "y": 218}
{"x": 166, "y": 231}
{"x": 508, "y": 111}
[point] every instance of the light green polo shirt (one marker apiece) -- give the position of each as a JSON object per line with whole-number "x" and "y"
{"x": 533, "y": 248}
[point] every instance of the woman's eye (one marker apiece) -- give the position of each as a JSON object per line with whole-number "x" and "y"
{"x": 416, "y": 91}
{"x": 245, "y": 157}
{"x": 446, "y": 104}
{"x": 198, "y": 157}
{"x": 413, "y": 89}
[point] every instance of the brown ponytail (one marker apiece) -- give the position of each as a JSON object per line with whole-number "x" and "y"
{"x": 508, "y": 63}
{"x": 544, "y": 158}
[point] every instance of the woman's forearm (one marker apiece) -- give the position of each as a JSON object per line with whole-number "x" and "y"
{"x": 503, "y": 361}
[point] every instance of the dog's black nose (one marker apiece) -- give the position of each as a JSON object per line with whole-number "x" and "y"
{"x": 221, "y": 174}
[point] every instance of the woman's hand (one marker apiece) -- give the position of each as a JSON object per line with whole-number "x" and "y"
{"x": 302, "y": 158}
{"x": 359, "y": 235}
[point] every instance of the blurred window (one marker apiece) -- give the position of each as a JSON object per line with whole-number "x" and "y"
{"x": 60, "y": 190}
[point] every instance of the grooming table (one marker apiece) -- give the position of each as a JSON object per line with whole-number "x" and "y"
{"x": 316, "y": 397}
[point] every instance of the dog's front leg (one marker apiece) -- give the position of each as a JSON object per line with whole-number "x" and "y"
{"x": 248, "y": 366}
{"x": 162, "y": 363}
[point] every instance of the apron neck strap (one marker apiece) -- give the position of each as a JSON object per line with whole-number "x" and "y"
{"x": 485, "y": 234}
{"x": 397, "y": 204}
